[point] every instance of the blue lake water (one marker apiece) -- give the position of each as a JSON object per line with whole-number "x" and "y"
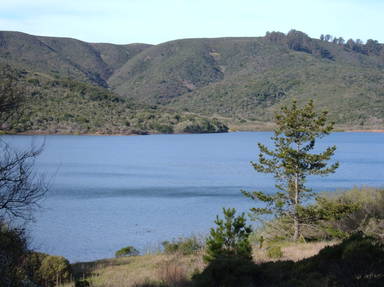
{"x": 107, "y": 192}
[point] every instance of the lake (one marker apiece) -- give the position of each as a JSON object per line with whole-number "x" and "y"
{"x": 107, "y": 192}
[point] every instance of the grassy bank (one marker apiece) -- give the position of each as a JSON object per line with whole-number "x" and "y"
{"x": 172, "y": 269}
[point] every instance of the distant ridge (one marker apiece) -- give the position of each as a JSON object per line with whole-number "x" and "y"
{"x": 242, "y": 81}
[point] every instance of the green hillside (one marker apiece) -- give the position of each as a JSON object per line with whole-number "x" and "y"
{"x": 65, "y": 57}
{"x": 352, "y": 95}
{"x": 65, "y": 106}
{"x": 248, "y": 78}
{"x": 239, "y": 80}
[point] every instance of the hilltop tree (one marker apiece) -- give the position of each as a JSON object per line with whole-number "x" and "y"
{"x": 340, "y": 41}
{"x": 373, "y": 47}
{"x": 299, "y": 41}
{"x": 291, "y": 161}
{"x": 328, "y": 38}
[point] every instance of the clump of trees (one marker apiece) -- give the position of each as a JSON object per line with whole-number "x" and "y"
{"x": 54, "y": 271}
{"x": 357, "y": 261}
{"x": 371, "y": 47}
{"x": 299, "y": 41}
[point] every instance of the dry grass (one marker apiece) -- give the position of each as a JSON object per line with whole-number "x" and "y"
{"x": 172, "y": 270}
{"x": 173, "y": 273}
{"x": 292, "y": 251}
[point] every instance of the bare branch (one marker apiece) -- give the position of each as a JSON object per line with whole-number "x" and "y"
{"x": 20, "y": 188}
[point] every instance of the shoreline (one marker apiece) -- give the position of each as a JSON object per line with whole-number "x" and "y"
{"x": 132, "y": 134}
{"x": 365, "y": 131}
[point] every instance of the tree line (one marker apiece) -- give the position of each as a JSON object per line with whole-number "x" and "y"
{"x": 369, "y": 47}
{"x": 299, "y": 41}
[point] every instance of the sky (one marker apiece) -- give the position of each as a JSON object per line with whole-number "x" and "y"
{"x": 157, "y": 21}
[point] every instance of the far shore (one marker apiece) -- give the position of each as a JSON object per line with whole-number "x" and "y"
{"x": 259, "y": 129}
{"x": 365, "y": 131}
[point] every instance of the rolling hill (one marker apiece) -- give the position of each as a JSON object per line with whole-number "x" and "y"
{"x": 241, "y": 81}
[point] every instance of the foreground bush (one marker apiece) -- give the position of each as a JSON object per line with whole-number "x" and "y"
{"x": 367, "y": 216}
{"x": 185, "y": 246}
{"x": 229, "y": 238}
{"x": 55, "y": 270}
{"x": 333, "y": 216}
{"x": 357, "y": 261}
{"x": 31, "y": 266}
{"x": 228, "y": 271}
{"x": 12, "y": 251}
{"x": 228, "y": 253}
{"x": 22, "y": 267}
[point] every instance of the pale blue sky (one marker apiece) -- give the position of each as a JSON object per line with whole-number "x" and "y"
{"x": 156, "y": 21}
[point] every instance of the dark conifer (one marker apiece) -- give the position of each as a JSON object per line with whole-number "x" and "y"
{"x": 230, "y": 238}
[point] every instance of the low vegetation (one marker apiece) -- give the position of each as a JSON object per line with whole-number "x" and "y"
{"x": 333, "y": 216}
{"x": 66, "y": 106}
{"x": 184, "y": 246}
{"x": 174, "y": 269}
{"x": 19, "y": 264}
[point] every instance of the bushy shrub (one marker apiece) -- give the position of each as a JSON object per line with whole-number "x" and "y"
{"x": 55, "y": 270}
{"x": 333, "y": 216}
{"x": 274, "y": 252}
{"x": 229, "y": 238}
{"x": 127, "y": 251}
{"x": 357, "y": 261}
{"x": 185, "y": 246}
{"x": 339, "y": 215}
{"x": 12, "y": 252}
{"x": 32, "y": 264}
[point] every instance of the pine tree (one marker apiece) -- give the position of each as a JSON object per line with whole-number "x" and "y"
{"x": 229, "y": 238}
{"x": 291, "y": 161}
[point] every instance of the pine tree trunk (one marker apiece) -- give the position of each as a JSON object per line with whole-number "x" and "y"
{"x": 296, "y": 223}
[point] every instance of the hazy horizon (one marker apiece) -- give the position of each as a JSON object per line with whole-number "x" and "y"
{"x": 154, "y": 22}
